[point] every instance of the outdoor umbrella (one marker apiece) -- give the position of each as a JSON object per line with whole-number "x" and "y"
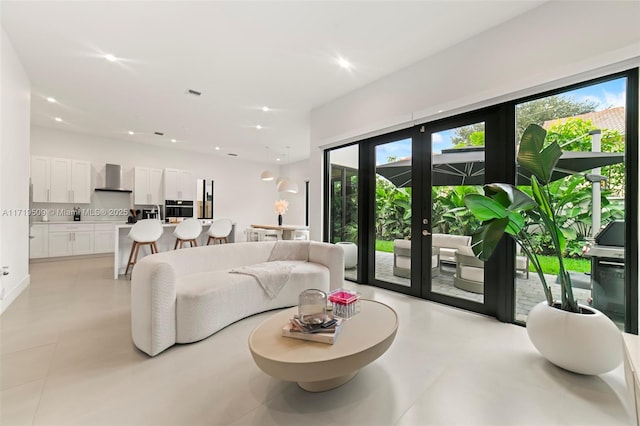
{"x": 455, "y": 167}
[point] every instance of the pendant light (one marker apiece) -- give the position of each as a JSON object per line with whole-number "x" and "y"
{"x": 285, "y": 184}
{"x": 267, "y": 175}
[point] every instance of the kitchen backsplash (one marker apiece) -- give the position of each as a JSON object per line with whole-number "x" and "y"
{"x": 107, "y": 206}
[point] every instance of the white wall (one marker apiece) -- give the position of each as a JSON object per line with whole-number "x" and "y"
{"x": 15, "y": 105}
{"x": 239, "y": 194}
{"x": 570, "y": 40}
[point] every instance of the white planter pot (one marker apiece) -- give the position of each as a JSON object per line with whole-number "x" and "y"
{"x": 582, "y": 343}
{"x": 350, "y": 254}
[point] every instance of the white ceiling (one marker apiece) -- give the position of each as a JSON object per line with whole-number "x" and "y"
{"x": 240, "y": 55}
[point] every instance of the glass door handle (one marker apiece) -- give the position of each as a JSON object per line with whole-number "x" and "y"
{"x": 426, "y": 233}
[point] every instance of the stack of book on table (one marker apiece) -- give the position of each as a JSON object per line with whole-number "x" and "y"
{"x": 326, "y": 332}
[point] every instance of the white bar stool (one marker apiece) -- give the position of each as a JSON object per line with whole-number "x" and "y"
{"x": 186, "y": 232}
{"x": 144, "y": 233}
{"x": 219, "y": 231}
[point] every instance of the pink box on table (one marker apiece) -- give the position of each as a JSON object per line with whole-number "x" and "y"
{"x": 345, "y": 303}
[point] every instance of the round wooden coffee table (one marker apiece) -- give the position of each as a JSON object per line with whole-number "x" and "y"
{"x": 318, "y": 367}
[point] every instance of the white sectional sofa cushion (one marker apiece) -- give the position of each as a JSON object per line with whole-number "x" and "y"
{"x": 186, "y": 295}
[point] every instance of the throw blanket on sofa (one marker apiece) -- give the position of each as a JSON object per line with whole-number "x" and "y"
{"x": 271, "y": 276}
{"x": 290, "y": 250}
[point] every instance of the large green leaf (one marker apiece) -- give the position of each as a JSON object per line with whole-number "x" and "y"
{"x": 484, "y": 208}
{"x": 516, "y": 223}
{"x": 541, "y": 198}
{"x": 486, "y": 238}
{"x": 517, "y": 200}
{"x": 535, "y": 157}
{"x": 547, "y": 215}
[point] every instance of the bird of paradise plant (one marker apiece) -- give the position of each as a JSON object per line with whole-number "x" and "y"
{"x": 505, "y": 209}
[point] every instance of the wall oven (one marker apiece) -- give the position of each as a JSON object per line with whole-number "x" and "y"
{"x": 178, "y": 208}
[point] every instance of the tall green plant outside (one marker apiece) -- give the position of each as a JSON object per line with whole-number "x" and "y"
{"x": 506, "y": 209}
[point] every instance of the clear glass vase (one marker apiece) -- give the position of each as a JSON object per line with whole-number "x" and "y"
{"x": 312, "y": 306}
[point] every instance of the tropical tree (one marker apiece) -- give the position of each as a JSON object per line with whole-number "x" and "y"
{"x": 462, "y": 135}
{"x": 571, "y": 135}
{"x": 537, "y": 112}
{"x": 450, "y": 215}
{"x": 393, "y": 210}
{"x": 552, "y": 107}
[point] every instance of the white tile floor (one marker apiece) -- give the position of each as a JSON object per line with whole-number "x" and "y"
{"x": 67, "y": 359}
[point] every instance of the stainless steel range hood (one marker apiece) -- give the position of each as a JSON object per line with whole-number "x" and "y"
{"x": 113, "y": 179}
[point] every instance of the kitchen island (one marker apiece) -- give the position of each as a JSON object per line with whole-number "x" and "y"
{"x": 165, "y": 243}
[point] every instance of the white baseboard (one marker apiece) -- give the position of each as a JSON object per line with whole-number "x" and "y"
{"x": 13, "y": 295}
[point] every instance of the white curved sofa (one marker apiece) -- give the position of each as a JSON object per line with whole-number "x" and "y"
{"x": 186, "y": 295}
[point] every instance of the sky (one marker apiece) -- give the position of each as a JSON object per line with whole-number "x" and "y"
{"x": 607, "y": 95}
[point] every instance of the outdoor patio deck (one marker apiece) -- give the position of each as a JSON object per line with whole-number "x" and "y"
{"x": 528, "y": 291}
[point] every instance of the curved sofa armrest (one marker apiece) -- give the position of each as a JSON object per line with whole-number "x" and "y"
{"x": 153, "y": 305}
{"x": 331, "y": 256}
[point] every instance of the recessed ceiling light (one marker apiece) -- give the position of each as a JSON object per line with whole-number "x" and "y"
{"x": 217, "y": 148}
{"x": 266, "y": 108}
{"x": 58, "y": 119}
{"x": 173, "y": 141}
{"x": 50, "y": 99}
{"x": 131, "y": 133}
{"x": 439, "y": 110}
{"x": 111, "y": 58}
{"x": 344, "y": 63}
{"x": 258, "y": 127}
{"x": 278, "y": 159}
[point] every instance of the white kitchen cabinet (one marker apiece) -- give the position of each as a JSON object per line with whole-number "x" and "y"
{"x": 40, "y": 179}
{"x": 82, "y": 242}
{"x": 187, "y": 184}
{"x": 178, "y": 184}
{"x": 147, "y": 186}
{"x": 60, "y": 180}
{"x": 69, "y": 240}
{"x": 60, "y": 244}
{"x": 104, "y": 238}
{"x": 80, "y": 182}
{"x": 39, "y": 241}
{"x": 60, "y": 183}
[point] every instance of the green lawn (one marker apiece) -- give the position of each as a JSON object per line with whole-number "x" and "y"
{"x": 549, "y": 263}
{"x": 386, "y": 246}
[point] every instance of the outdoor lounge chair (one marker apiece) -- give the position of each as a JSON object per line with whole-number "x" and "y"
{"x": 402, "y": 260}
{"x": 446, "y": 245}
{"x": 469, "y": 271}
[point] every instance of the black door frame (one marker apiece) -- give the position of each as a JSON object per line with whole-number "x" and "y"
{"x": 496, "y": 156}
{"x": 366, "y": 214}
{"x": 500, "y": 167}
